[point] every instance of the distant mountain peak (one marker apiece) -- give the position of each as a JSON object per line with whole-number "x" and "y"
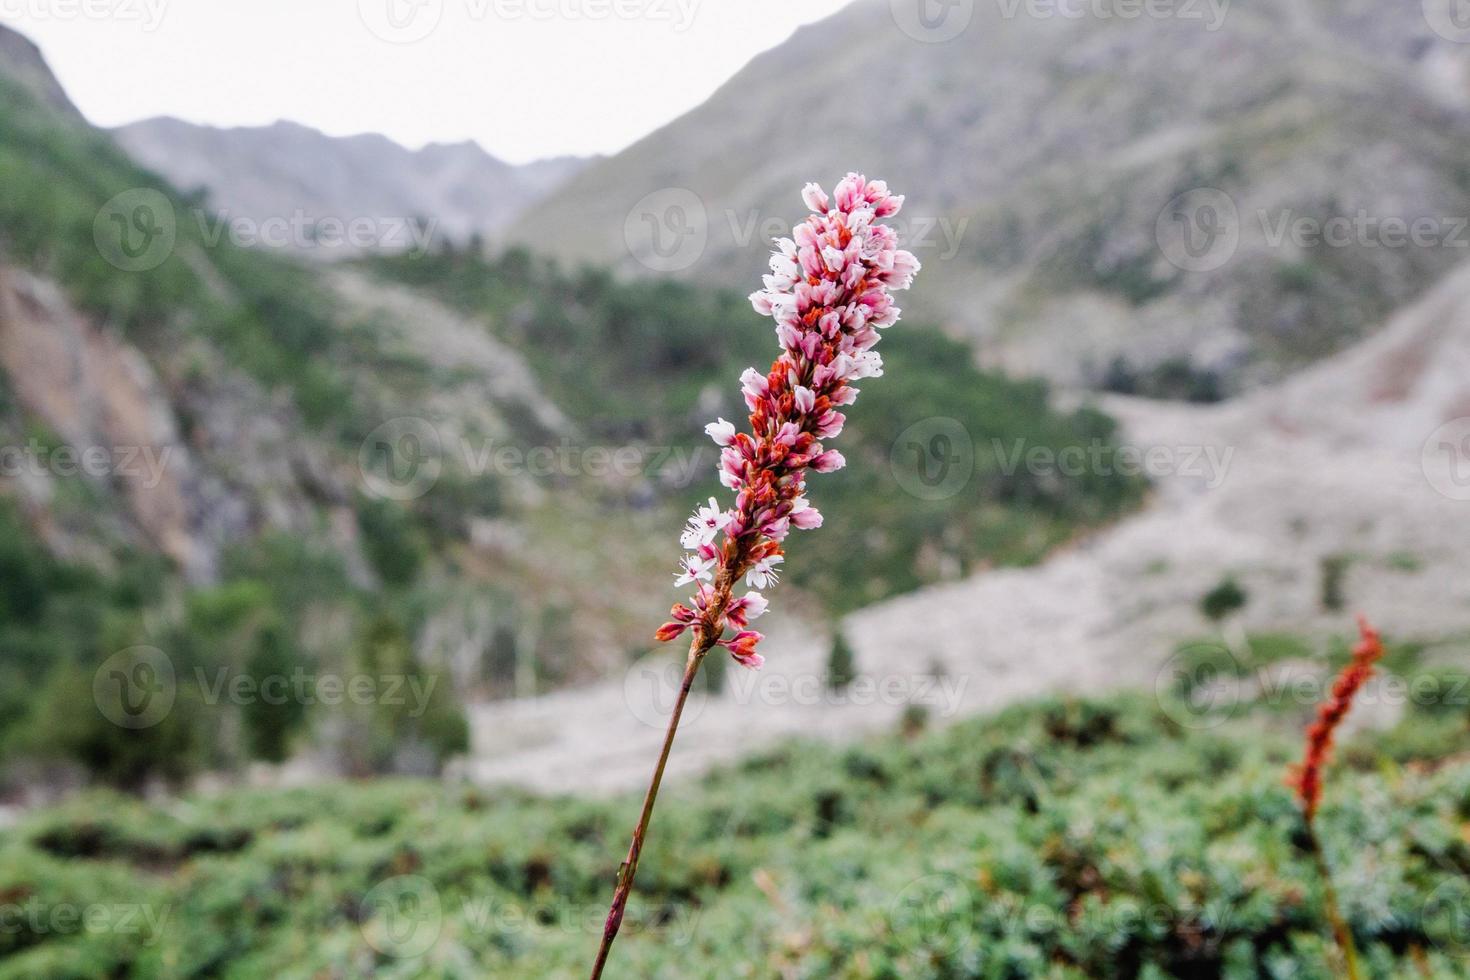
{"x": 287, "y": 168}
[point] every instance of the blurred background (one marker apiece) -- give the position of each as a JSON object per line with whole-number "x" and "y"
{"x": 354, "y": 362}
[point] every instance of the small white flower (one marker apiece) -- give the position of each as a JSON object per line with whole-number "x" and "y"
{"x": 694, "y": 569}
{"x": 704, "y": 525}
{"x": 762, "y": 574}
{"x": 722, "y": 432}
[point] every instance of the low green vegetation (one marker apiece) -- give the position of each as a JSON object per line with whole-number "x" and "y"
{"x": 1073, "y": 839}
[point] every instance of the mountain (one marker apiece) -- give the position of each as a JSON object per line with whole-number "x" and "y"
{"x": 455, "y": 190}
{"x": 1053, "y": 163}
{"x": 451, "y": 463}
{"x": 21, "y": 62}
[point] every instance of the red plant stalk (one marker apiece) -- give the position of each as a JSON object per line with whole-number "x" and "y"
{"x": 828, "y": 291}
{"x": 1306, "y": 777}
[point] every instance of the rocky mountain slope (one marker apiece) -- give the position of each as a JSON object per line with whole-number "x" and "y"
{"x": 1045, "y": 156}
{"x": 279, "y": 171}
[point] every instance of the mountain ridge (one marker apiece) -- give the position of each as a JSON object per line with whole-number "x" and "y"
{"x": 284, "y": 169}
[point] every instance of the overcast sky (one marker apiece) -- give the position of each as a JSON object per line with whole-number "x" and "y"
{"x": 526, "y": 78}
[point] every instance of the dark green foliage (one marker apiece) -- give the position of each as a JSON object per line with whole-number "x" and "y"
{"x": 1066, "y": 839}
{"x": 841, "y": 668}
{"x": 1223, "y": 599}
{"x": 1334, "y": 571}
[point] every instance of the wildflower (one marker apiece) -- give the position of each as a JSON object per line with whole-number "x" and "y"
{"x": 1306, "y": 778}
{"x": 829, "y": 292}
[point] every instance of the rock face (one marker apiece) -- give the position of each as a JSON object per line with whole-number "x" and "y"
{"x": 21, "y": 61}
{"x": 1044, "y": 158}
{"x": 286, "y": 170}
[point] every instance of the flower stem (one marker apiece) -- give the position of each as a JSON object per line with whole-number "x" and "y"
{"x": 697, "y": 649}
{"x": 1340, "y": 930}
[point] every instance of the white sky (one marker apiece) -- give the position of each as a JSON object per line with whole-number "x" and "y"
{"x": 525, "y": 78}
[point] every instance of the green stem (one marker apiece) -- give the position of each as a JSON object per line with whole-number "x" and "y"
{"x": 1340, "y": 930}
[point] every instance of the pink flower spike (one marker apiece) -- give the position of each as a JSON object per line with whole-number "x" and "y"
{"x": 829, "y": 293}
